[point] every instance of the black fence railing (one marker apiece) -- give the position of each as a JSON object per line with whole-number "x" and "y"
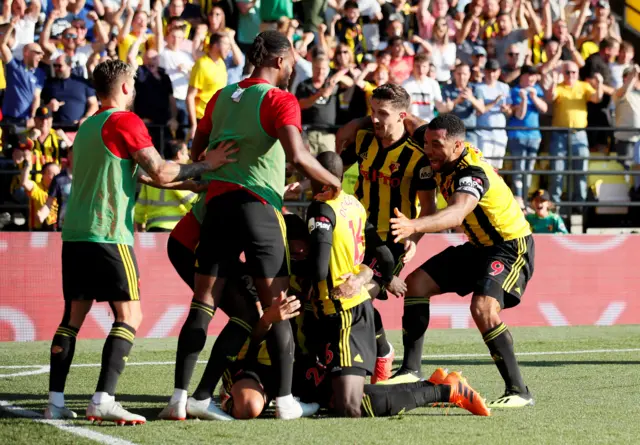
{"x": 11, "y": 135}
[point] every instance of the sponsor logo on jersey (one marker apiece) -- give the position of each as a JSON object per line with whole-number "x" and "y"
{"x": 472, "y": 185}
{"x": 377, "y": 176}
{"x": 319, "y": 223}
{"x": 426, "y": 172}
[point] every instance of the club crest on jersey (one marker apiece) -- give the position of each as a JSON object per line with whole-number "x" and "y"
{"x": 394, "y": 167}
{"x": 426, "y": 172}
{"x": 364, "y": 155}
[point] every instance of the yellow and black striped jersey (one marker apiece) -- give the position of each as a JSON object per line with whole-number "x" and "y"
{"x": 497, "y": 217}
{"x": 388, "y": 177}
{"x": 336, "y": 229}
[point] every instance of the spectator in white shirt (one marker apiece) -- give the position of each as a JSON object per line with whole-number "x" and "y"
{"x": 177, "y": 64}
{"x": 623, "y": 61}
{"x": 627, "y": 101}
{"x": 441, "y": 50}
{"x": 25, "y": 27}
{"x": 493, "y": 142}
{"x": 424, "y": 91}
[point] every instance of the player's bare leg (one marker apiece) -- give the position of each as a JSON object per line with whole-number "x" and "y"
{"x": 128, "y": 317}
{"x": 415, "y": 321}
{"x": 347, "y": 392}
{"x": 62, "y": 350}
{"x": 485, "y": 311}
{"x": 281, "y": 349}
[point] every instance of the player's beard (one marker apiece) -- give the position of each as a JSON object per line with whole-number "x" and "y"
{"x": 284, "y": 81}
{"x": 132, "y": 99}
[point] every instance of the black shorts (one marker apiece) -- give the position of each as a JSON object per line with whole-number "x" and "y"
{"x": 501, "y": 271}
{"x": 372, "y": 241}
{"x": 238, "y": 222}
{"x": 350, "y": 340}
{"x": 99, "y": 271}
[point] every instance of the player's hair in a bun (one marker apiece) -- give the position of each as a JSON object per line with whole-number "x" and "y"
{"x": 267, "y": 45}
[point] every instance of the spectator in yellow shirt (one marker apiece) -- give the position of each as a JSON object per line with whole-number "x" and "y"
{"x": 38, "y": 192}
{"x": 134, "y": 31}
{"x": 160, "y": 210}
{"x": 569, "y": 101}
{"x": 209, "y": 74}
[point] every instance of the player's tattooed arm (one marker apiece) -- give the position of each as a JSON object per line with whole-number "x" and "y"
{"x": 164, "y": 172}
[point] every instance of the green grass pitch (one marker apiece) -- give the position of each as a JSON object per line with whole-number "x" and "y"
{"x": 586, "y": 385}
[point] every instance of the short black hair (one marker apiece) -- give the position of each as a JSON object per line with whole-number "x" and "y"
{"x": 215, "y": 38}
{"x": 266, "y": 46}
{"x": 332, "y": 162}
{"x": 393, "y": 40}
{"x": 350, "y": 4}
{"x": 296, "y": 227}
{"x": 449, "y": 122}
{"x": 393, "y": 93}
{"x": 107, "y": 75}
{"x": 172, "y": 148}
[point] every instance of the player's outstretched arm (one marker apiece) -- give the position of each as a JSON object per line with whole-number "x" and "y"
{"x": 346, "y": 135}
{"x": 460, "y": 205}
{"x": 163, "y": 172}
{"x": 303, "y": 160}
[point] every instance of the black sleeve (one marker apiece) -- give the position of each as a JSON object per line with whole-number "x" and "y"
{"x": 418, "y": 135}
{"x": 471, "y": 180}
{"x": 321, "y": 219}
{"x": 423, "y": 178}
{"x": 385, "y": 261}
{"x": 349, "y": 156}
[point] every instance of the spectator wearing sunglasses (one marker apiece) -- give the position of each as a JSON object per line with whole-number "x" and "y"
{"x": 69, "y": 48}
{"x": 511, "y": 70}
{"x": 24, "y": 80}
{"x": 70, "y": 97}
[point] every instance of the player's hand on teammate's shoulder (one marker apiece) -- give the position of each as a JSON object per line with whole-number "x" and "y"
{"x": 283, "y": 308}
{"x": 401, "y": 226}
{"x": 397, "y": 287}
{"x": 329, "y": 192}
{"x": 220, "y": 155}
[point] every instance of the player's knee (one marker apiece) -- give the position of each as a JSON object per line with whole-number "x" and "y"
{"x": 420, "y": 284}
{"x": 131, "y": 314}
{"x": 484, "y": 308}
{"x": 347, "y": 408}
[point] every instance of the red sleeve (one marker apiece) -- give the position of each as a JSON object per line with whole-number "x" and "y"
{"x": 124, "y": 133}
{"x": 206, "y": 124}
{"x": 279, "y": 108}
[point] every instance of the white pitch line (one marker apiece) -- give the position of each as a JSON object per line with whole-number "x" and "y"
{"x": 41, "y": 369}
{"x": 585, "y": 351}
{"x": 63, "y": 425}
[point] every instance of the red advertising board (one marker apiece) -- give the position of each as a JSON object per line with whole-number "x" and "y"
{"x": 578, "y": 280}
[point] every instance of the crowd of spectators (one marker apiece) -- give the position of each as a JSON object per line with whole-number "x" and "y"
{"x": 494, "y": 63}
